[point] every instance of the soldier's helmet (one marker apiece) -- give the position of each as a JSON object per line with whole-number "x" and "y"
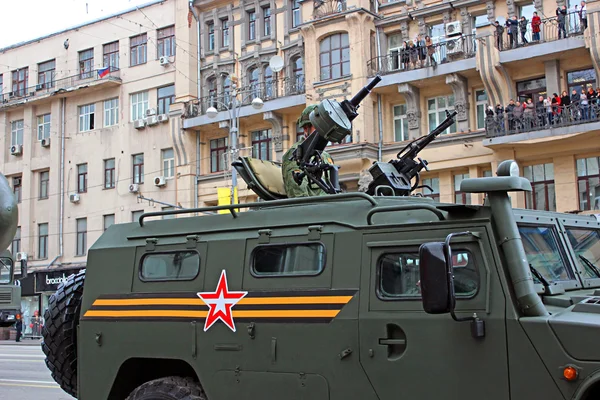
{"x": 304, "y": 117}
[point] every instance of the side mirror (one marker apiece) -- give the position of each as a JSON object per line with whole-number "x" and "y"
{"x": 435, "y": 279}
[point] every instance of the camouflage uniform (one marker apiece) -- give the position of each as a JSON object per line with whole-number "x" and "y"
{"x": 292, "y": 189}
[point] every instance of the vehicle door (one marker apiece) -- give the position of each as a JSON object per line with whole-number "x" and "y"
{"x": 407, "y": 352}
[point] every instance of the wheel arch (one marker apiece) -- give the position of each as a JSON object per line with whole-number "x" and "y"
{"x": 138, "y": 370}
{"x": 589, "y": 388}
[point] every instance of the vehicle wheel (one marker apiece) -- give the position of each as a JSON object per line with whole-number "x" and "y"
{"x": 60, "y": 332}
{"x": 169, "y": 388}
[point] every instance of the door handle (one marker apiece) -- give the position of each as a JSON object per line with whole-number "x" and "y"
{"x": 392, "y": 342}
{"x": 395, "y": 342}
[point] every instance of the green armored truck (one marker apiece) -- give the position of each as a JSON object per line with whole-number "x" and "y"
{"x": 10, "y": 294}
{"x": 371, "y": 296}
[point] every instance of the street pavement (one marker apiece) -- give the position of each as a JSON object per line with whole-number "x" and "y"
{"x": 23, "y": 373}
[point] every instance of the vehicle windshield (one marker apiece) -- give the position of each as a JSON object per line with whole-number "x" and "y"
{"x": 541, "y": 247}
{"x": 5, "y": 270}
{"x": 586, "y": 244}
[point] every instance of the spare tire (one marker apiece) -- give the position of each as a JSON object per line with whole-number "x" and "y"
{"x": 60, "y": 332}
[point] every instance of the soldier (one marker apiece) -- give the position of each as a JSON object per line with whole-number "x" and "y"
{"x": 289, "y": 166}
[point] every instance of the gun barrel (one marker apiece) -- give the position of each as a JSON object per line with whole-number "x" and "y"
{"x": 360, "y": 96}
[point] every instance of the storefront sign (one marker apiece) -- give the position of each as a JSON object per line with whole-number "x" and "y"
{"x": 49, "y": 281}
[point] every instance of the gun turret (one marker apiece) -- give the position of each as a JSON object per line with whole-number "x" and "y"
{"x": 398, "y": 174}
{"x": 332, "y": 121}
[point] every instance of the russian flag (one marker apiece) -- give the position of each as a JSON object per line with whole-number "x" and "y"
{"x": 103, "y": 72}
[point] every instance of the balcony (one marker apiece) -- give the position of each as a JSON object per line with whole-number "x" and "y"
{"x": 60, "y": 86}
{"x": 510, "y": 127}
{"x": 288, "y": 92}
{"x": 420, "y": 59}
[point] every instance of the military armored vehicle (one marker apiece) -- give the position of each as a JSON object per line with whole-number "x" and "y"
{"x": 378, "y": 295}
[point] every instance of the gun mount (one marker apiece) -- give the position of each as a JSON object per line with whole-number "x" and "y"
{"x": 332, "y": 121}
{"x": 397, "y": 175}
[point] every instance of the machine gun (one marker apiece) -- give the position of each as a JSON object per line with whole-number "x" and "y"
{"x": 398, "y": 174}
{"x": 332, "y": 122}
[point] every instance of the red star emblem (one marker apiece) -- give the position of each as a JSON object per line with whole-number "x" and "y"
{"x": 220, "y": 303}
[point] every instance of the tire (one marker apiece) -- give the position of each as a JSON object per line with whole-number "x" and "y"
{"x": 169, "y": 388}
{"x": 60, "y": 332}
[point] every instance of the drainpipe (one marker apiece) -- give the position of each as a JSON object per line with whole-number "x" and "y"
{"x": 62, "y": 181}
{"x": 379, "y": 112}
{"x": 199, "y": 94}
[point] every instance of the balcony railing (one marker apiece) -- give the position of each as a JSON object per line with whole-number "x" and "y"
{"x": 547, "y": 30}
{"x": 266, "y": 91}
{"x": 59, "y": 84}
{"x": 541, "y": 118}
{"x": 412, "y": 58}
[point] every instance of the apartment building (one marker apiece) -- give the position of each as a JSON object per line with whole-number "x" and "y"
{"x": 87, "y": 136}
{"x": 332, "y": 48}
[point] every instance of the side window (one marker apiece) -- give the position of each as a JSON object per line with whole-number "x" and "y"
{"x": 543, "y": 253}
{"x": 398, "y": 275}
{"x": 170, "y": 266}
{"x": 288, "y": 260}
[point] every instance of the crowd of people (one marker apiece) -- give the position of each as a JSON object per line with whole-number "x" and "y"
{"x": 545, "y": 112}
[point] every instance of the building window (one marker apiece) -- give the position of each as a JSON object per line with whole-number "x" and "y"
{"x": 82, "y": 178}
{"x": 267, "y": 21}
{"x": 225, "y": 32}
{"x": 44, "y": 184}
{"x": 580, "y": 80}
{"x": 1, "y": 83}
{"x": 211, "y": 36}
{"x": 226, "y": 89}
{"x": 400, "y": 123}
{"x": 481, "y": 101}
{"x": 299, "y": 132}
{"x": 135, "y": 215}
{"x": 111, "y": 112}
{"x": 543, "y": 196}
{"x": 137, "y": 49}
{"x": 335, "y": 56}
{"x": 108, "y": 220}
{"x": 139, "y": 105}
{"x": 86, "y": 117}
{"x": 588, "y": 181}
{"x": 109, "y": 173}
{"x": 166, "y": 97}
{"x": 81, "y": 236}
{"x": 43, "y": 125}
{"x": 111, "y": 55}
{"x": 17, "y": 188}
{"x": 168, "y": 161}
{"x": 436, "y": 110}
{"x": 296, "y": 13}
{"x": 531, "y": 89}
{"x": 166, "y": 41}
{"x": 86, "y": 63}
{"x": 16, "y": 243}
{"x": 460, "y": 197}
{"x": 432, "y": 188}
{"x": 218, "y": 149}
{"x": 20, "y": 80}
{"x": 261, "y": 144}
{"x": 138, "y": 168}
{"x": 16, "y": 132}
{"x": 269, "y": 86}
{"x": 42, "y": 241}
{"x": 251, "y": 25}
{"x": 46, "y": 73}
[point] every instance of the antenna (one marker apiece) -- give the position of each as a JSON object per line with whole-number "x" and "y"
{"x": 276, "y": 63}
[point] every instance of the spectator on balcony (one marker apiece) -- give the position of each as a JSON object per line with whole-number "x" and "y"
{"x": 510, "y": 114}
{"x": 536, "y": 21}
{"x": 517, "y": 112}
{"x": 561, "y": 14}
{"x": 529, "y": 113}
{"x": 405, "y": 56}
{"x": 583, "y": 16}
{"x": 540, "y": 110}
{"x": 421, "y": 49}
{"x": 430, "y": 50}
{"x": 548, "y": 105}
{"x": 499, "y": 32}
{"x": 413, "y": 53}
{"x": 584, "y": 104}
{"x": 592, "y": 100}
{"x": 513, "y": 28}
{"x": 523, "y": 28}
{"x": 500, "y": 116}
{"x": 556, "y": 108}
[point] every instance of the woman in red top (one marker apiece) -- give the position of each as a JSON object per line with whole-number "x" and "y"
{"x": 536, "y": 21}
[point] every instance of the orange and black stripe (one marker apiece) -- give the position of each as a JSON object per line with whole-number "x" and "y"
{"x": 320, "y": 306}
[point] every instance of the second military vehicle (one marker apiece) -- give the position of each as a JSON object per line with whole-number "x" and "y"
{"x": 10, "y": 294}
{"x": 345, "y": 296}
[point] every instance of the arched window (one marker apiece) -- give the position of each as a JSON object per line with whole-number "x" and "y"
{"x": 253, "y": 81}
{"x": 212, "y": 93}
{"x": 297, "y": 83}
{"x": 226, "y": 89}
{"x": 269, "y": 84}
{"x": 335, "y": 56}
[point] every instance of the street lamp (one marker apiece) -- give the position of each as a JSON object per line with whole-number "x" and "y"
{"x": 212, "y": 112}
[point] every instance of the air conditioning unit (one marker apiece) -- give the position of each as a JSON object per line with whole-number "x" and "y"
{"x": 453, "y": 28}
{"x": 22, "y": 256}
{"x": 152, "y": 120}
{"x": 45, "y": 142}
{"x": 16, "y": 149}
{"x": 134, "y": 188}
{"x": 163, "y": 117}
{"x": 139, "y": 124}
{"x": 164, "y": 60}
{"x": 74, "y": 197}
{"x": 454, "y": 46}
{"x": 150, "y": 111}
{"x": 160, "y": 181}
